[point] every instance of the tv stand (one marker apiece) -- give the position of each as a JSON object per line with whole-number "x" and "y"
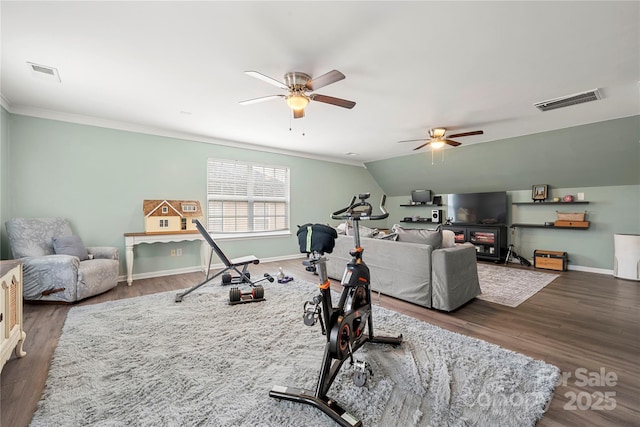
{"x": 490, "y": 240}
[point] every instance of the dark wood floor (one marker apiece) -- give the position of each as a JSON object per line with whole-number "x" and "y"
{"x": 584, "y": 323}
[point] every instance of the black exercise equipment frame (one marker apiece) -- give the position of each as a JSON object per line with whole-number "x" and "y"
{"x": 343, "y": 325}
{"x": 230, "y": 265}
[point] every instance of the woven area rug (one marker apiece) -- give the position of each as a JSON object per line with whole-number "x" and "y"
{"x": 510, "y": 286}
{"x": 149, "y": 361}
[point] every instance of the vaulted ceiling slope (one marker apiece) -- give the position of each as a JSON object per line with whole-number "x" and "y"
{"x": 593, "y": 155}
{"x": 177, "y": 68}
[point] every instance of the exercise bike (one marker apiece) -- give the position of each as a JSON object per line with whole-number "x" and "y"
{"x": 349, "y": 325}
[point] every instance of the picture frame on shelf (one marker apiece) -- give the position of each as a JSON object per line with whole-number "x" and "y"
{"x": 539, "y": 192}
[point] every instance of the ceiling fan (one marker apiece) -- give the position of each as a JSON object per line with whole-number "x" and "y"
{"x": 299, "y": 85}
{"x": 437, "y": 138}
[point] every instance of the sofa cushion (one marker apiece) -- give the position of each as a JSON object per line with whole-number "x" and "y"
{"x": 448, "y": 239}
{"x": 419, "y": 235}
{"x": 70, "y": 245}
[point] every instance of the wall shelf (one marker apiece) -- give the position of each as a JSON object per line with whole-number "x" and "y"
{"x": 577, "y": 202}
{"x": 546, "y": 226}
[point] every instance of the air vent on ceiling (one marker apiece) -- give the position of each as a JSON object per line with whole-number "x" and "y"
{"x": 44, "y": 72}
{"x": 567, "y": 101}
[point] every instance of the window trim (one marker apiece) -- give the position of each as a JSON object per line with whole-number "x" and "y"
{"x": 250, "y": 234}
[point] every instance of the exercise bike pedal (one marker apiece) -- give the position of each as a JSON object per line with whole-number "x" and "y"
{"x": 361, "y": 372}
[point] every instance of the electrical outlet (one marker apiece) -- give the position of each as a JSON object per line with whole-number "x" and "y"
{"x": 179, "y": 252}
{"x": 173, "y": 252}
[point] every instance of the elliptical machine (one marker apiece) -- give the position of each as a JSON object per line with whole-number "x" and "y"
{"x": 348, "y": 326}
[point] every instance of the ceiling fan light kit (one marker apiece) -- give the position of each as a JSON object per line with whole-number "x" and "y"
{"x": 437, "y": 143}
{"x": 297, "y": 101}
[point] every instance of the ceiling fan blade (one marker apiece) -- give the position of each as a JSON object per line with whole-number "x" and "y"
{"x": 458, "y": 135}
{"x": 333, "y": 101}
{"x": 423, "y": 145}
{"x": 412, "y": 140}
{"x": 325, "y": 80}
{"x": 298, "y": 114}
{"x": 261, "y": 99}
{"x": 267, "y": 79}
{"x": 451, "y": 142}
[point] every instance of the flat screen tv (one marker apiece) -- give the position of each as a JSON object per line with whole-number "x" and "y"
{"x": 478, "y": 208}
{"x": 421, "y": 196}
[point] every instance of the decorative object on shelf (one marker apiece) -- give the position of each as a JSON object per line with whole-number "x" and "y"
{"x": 568, "y": 198}
{"x": 571, "y": 219}
{"x": 556, "y": 199}
{"x": 437, "y": 200}
{"x": 436, "y": 215}
{"x": 539, "y": 192}
{"x": 170, "y": 215}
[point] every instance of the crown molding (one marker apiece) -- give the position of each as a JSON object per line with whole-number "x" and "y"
{"x": 132, "y": 127}
{"x": 4, "y": 102}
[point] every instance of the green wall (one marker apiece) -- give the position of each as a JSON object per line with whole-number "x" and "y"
{"x": 98, "y": 178}
{"x": 4, "y": 176}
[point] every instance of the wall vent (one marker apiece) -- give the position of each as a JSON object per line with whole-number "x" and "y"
{"x": 569, "y": 100}
{"x": 44, "y": 72}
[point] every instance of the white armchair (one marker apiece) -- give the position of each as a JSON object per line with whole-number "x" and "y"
{"x": 56, "y": 264}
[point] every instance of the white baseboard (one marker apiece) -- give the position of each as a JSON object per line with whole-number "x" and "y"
{"x": 591, "y": 269}
{"x": 195, "y": 269}
{"x": 575, "y": 268}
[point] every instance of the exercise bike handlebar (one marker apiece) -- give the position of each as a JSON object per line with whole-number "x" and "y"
{"x": 348, "y": 212}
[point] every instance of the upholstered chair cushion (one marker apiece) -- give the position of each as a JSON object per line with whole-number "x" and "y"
{"x": 70, "y": 245}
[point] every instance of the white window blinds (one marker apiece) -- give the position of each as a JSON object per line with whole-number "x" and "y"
{"x": 246, "y": 197}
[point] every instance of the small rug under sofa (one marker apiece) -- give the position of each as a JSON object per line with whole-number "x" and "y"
{"x": 503, "y": 285}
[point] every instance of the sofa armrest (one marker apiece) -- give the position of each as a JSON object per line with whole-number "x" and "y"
{"x": 454, "y": 276}
{"x": 104, "y": 252}
{"x": 50, "y": 277}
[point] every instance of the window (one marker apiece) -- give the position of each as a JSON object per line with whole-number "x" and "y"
{"x": 164, "y": 223}
{"x": 189, "y": 207}
{"x": 247, "y": 197}
{"x": 165, "y": 209}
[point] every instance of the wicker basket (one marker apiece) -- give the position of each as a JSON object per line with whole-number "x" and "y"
{"x": 571, "y": 216}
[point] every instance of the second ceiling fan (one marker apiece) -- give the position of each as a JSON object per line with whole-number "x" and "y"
{"x": 437, "y": 138}
{"x": 300, "y": 85}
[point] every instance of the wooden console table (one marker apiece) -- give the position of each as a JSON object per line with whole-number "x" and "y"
{"x": 133, "y": 239}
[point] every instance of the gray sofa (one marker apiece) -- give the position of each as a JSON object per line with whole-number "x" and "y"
{"x": 420, "y": 273}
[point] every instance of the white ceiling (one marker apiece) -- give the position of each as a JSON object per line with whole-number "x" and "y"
{"x": 177, "y": 68}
